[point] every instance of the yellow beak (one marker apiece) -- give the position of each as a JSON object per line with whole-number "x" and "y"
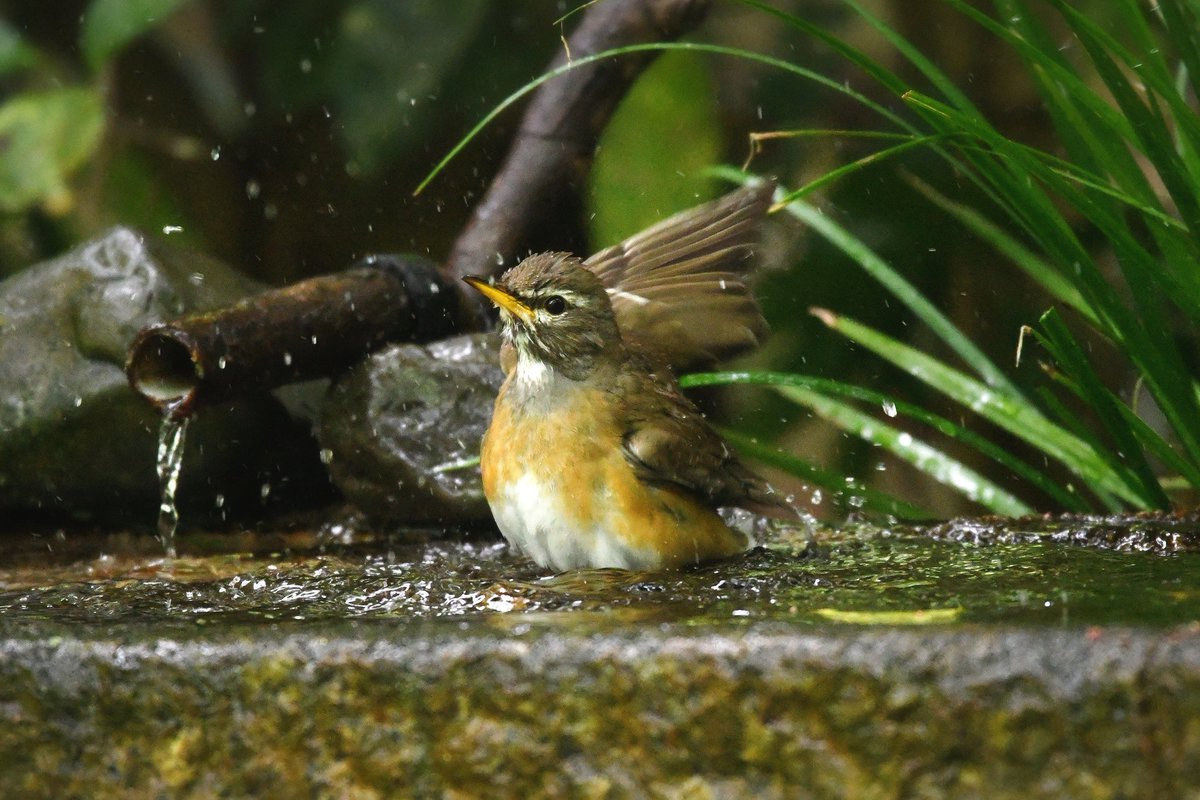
{"x": 502, "y": 299}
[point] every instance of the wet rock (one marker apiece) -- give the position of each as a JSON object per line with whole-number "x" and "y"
{"x": 402, "y": 429}
{"x": 1150, "y": 532}
{"x": 293, "y": 664}
{"x": 425, "y": 709}
{"x": 74, "y": 439}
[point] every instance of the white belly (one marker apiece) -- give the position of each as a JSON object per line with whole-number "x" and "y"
{"x": 532, "y": 520}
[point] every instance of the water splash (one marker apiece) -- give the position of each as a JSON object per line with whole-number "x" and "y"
{"x": 171, "y": 435}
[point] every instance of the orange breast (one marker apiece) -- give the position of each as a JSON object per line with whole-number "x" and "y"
{"x": 562, "y": 491}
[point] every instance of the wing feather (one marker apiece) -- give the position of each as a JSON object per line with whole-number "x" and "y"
{"x": 680, "y": 289}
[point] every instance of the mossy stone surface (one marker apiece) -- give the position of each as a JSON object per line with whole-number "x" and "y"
{"x": 874, "y": 664}
{"x": 387, "y": 709}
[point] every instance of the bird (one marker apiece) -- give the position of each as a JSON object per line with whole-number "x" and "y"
{"x": 594, "y": 457}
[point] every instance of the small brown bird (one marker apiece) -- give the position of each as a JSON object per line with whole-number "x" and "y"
{"x": 594, "y": 457}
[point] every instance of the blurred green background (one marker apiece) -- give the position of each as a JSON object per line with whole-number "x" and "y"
{"x": 286, "y": 139}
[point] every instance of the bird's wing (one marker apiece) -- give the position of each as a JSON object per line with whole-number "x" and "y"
{"x": 667, "y": 441}
{"x": 680, "y": 288}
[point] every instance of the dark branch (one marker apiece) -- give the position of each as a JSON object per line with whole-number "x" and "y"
{"x": 552, "y": 151}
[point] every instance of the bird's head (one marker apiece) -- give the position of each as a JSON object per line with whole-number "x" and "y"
{"x": 556, "y": 312}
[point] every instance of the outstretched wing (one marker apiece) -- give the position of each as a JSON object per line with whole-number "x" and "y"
{"x": 668, "y": 441}
{"x": 679, "y": 288}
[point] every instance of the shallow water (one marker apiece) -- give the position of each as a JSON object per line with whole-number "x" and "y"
{"x": 858, "y": 575}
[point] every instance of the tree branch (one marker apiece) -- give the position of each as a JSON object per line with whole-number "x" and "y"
{"x": 552, "y": 152}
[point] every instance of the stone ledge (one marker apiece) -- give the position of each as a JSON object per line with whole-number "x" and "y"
{"x": 521, "y": 707}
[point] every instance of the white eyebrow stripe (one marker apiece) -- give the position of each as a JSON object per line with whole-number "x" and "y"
{"x": 565, "y": 294}
{"x": 636, "y": 298}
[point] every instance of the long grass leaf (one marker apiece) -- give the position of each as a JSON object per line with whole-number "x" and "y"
{"x": 855, "y": 166}
{"x": 899, "y": 409}
{"x": 1030, "y": 263}
{"x": 931, "y": 71}
{"x": 1057, "y": 339}
{"x": 928, "y": 459}
{"x": 1018, "y": 417}
{"x": 1146, "y": 120}
{"x": 698, "y": 47}
{"x": 906, "y": 293}
{"x": 1183, "y": 29}
{"x": 1074, "y": 425}
{"x": 836, "y": 484}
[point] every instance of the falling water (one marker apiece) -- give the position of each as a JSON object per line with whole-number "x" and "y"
{"x": 170, "y": 459}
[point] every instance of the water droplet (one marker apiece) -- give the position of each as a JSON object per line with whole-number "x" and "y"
{"x": 169, "y": 229}
{"x": 817, "y": 497}
{"x": 287, "y": 359}
{"x": 264, "y": 491}
{"x": 305, "y": 66}
{"x": 253, "y": 189}
{"x": 889, "y": 408}
{"x": 215, "y": 153}
{"x": 326, "y": 456}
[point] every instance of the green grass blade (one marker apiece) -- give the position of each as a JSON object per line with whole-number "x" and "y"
{"x": 1146, "y": 120}
{"x": 928, "y": 459}
{"x": 1030, "y": 263}
{"x": 1071, "y": 422}
{"x": 1017, "y": 416}
{"x": 1057, "y": 339}
{"x": 854, "y": 166}
{"x": 936, "y": 76}
{"x": 699, "y": 47}
{"x": 1183, "y": 30}
{"x": 899, "y": 409}
{"x": 855, "y": 56}
{"x": 1159, "y": 447}
{"x": 906, "y": 293}
{"x": 837, "y": 485}
{"x": 1155, "y": 80}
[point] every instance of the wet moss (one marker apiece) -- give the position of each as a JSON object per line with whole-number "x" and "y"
{"x": 449, "y": 668}
{"x": 420, "y": 710}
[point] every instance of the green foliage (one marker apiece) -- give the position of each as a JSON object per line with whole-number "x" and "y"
{"x": 650, "y": 158}
{"x": 46, "y": 136}
{"x": 15, "y": 54}
{"x": 385, "y": 68}
{"x": 109, "y": 25}
{"x": 1121, "y": 142}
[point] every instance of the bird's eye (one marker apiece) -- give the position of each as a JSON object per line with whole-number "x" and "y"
{"x": 555, "y": 305}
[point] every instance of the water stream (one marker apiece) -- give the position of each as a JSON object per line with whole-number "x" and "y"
{"x": 171, "y": 436}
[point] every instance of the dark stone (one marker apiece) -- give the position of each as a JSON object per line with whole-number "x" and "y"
{"x": 74, "y": 438}
{"x": 396, "y": 426}
{"x": 1147, "y": 532}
